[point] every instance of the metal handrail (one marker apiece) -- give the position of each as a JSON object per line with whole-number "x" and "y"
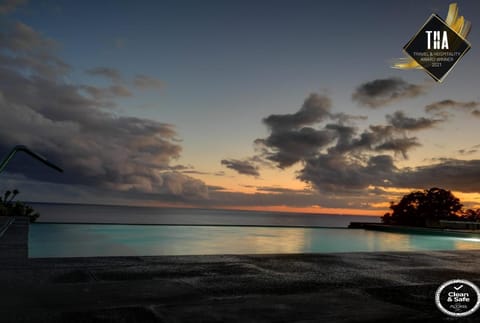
{"x": 12, "y": 153}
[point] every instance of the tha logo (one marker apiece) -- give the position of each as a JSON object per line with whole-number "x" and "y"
{"x": 436, "y": 39}
{"x": 438, "y": 45}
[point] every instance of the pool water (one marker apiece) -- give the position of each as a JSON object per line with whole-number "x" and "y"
{"x": 90, "y": 240}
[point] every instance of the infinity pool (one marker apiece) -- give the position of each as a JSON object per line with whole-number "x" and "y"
{"x": 90, "y": 240}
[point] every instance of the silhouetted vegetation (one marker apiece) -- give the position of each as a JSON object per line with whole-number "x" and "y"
{"x": 427, "y": 208}
{"x": 10, "y": 208}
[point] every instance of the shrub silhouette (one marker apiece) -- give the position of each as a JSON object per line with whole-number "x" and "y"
{"x": 10, "y": 208}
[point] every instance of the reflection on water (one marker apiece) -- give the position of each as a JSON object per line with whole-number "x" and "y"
{"x": 467, "y": 243}
{"x": 81, "y": 240}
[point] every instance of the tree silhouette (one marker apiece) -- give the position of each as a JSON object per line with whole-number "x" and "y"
{"x": 421, "y": 208}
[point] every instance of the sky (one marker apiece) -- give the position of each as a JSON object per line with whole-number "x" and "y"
{"x": 260, "y": 105}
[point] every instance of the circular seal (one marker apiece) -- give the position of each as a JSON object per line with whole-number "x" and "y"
{"x": 458, "y": 298}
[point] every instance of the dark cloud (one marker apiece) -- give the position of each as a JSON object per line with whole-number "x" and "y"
{"x": 243, "y": 167}
{"x": 337, "y": 156}
{"x": 457, "y": 175}
{"x": 441, "y": 107}
{"x": 383, "y": 92}
{"x": 107, "y": 72}
{"x": 7, "y": 6}
{"x": 290, "y": 139}
{"x": 147, "y": 82}
{"x": 330, "y": 173}
{"x": 469, "y": 151}
{"x": 375, "y": 138}
{"x": 400, "y": 121}
{"x": 95, "y": 147}
{"x": 333, "y": 172}
{"x": 347, "y": 140}
{"x": 399, "y": 145}
{"x": 288, "y": 147}
{"x": 315, "y": 109}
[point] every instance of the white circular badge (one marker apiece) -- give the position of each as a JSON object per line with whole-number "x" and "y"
{"x": 458, "y": 298}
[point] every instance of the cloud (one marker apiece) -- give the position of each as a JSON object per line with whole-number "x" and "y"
{"x": 441, "y": 107}
{"x": 314, "y": 109}
{"x": 8, "y": 6}
{"x": 110, "y": 92}
{"x": 346, "y": 118}
{"x": 337, "y": 156}
{"x": 146, "y": 82}
{"x": 469, "y": 151}
{"x": 291, "y": 140}
{"x": 400, "y": 121}
{"x": 457, "y": 175}
{"x": 243, "y": 167}
{"x": 25, "y": 49}
{"x": 287, "y": 148}
{"x": 96, "y": 148}
{"x": 382, "y": 92}
{"x": 334, "y": 173}
{"x": 182, "y": 185}
{"x": 107, "y": 72}
{"x": 399, "y": 145}
{"x": 375, "y": 138}
{"x": 119, "y": 89}
{"x": 24, "y": 38}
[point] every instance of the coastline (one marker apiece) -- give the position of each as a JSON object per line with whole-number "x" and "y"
{"x": 342, "y": 287}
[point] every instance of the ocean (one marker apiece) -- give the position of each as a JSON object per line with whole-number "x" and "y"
{"x": 79, "y": 213}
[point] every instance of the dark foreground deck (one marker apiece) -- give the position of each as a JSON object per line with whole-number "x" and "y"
{"x": 356, "y": 287}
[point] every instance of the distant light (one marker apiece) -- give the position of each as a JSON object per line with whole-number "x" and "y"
{"x": 471, "y": 239}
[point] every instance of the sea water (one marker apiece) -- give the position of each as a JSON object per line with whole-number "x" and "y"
{"x": 78, "y": 213}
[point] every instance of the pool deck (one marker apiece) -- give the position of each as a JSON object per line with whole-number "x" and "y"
{"x": 344, "y": 287}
